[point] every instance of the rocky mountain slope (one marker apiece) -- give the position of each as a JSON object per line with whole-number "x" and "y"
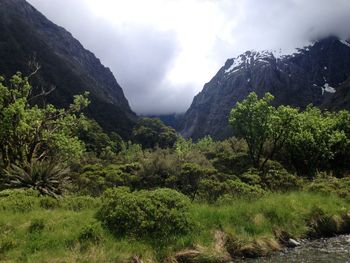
{"x": 26, "y": 35}
{"x": 318, "y": 74}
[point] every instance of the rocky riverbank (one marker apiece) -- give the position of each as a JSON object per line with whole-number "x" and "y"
{"x": 324, "y": 250}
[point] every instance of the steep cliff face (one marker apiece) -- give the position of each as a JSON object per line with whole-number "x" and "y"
{"x": 341, "y": 99}
{"x": 26, "y": 34}
{"x": 312, "y": 75}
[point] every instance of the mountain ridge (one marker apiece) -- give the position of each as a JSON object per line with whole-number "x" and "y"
{"x": 65, "y": 63}
{"x": 310, "y": 76}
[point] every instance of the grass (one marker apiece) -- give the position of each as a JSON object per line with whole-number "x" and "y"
{"x": 63, "y": 234}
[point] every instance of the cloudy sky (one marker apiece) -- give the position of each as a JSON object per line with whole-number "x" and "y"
{"x": 162, "y": 52}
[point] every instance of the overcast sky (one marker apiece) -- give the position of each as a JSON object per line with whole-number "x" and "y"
{"x": 162, "y": 52}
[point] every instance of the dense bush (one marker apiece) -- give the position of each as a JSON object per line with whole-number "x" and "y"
{"x": 160, "y": 214}
{"x": 158, "y": 169}
{"x": 151, "y": 133}
{"x": 210, "y": 189}
{"x": 330, "y": 185}
{"x": 19, "y": 200}
{"x": 94, "y": 179}
{"x": 92, "y": 233}
{"x": 187, "y": 182}
{"x": 172, "y": 169}
{"x": 277, "y": 178}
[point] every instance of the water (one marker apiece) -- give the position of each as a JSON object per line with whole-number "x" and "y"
{"x": 331, "y": 250}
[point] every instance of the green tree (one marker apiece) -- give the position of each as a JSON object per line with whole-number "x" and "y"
{"x": 29, "y": 133}
{"x": 263, "y": 127}
{"x": 151, "y": 133}
{"x": 320, "y": 142}
{"x": 96, "y": 140}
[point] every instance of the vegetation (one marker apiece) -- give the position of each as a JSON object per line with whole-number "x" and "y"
{"x": 264, "y": 127}
{"x": 160, "y": 214}
{"x": 41, "y": 234}
{"x": 82, "y": 194}
{"x": 29, "y": 133}
{"x": 152, "y": 132}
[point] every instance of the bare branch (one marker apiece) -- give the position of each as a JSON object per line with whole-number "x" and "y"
{"x": 43, "y": 93}
{"x": 34, "y": 65}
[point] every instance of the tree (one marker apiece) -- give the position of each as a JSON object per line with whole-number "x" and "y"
{"x": 264, "y": 127}
{"x": 96, "y": 140}
{"x": 151, "y": 133}
{"x": 320, "y": 142}
{"x": 30, "y": 134}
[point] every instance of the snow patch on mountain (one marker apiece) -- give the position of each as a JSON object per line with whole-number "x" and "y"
{"x": 346, "y": 43}
{"x": 327, "y": 88}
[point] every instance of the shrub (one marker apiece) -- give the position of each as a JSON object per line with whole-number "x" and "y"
{"x": 94, "y": 179}
{"x": 78, "y": 203}
{"x": 188, "y": 180}
{"x": 251, "y": 177}
{"x": 330, "y": 185}
{"x": 237, "y": 188}
{"x": 158, "y": 169}
{"x": 212, "y": 189}
{"x": 236, "y": 163}
{"x": 277, "y": 178}
{"x": 92, "y": 233}
{"x": 48, "y": 178}
{"x": 18, "y": 200}
{"x": 159, "y": 214}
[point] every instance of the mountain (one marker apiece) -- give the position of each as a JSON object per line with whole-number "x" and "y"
{"x": 27, "y": 36}
{"x": 317, "y": 74}
{"x": 341, "y": 99}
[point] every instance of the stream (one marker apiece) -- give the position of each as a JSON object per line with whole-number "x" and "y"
{"x": 330, "y": 250}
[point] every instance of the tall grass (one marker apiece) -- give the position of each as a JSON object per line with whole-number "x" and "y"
{"x": 63, "y": 234}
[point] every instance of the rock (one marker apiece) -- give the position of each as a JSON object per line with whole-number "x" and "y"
{"x": 136, "y": 259}
{"x": 293, "y": 243}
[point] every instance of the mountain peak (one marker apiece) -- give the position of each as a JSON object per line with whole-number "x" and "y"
{"x": 311, "y": 75}
{"x": 65, "y": 64}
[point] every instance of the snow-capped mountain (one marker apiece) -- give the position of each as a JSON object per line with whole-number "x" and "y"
{"x": 311, "y": 75}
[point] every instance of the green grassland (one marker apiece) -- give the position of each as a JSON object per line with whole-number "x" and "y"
{"x": 37, "y": 229}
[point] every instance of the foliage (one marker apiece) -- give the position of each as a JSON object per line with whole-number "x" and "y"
{"x": 96, "y": 140}
{"x": 65, "y": 235}
{"x": 166, "y": 168}
{"x": 189, "y": 178}
{"x": 92, "y": 233}
{"x": 160, "y": 214}
{"x": 19, "y": 200}
{"x": 130, "y": 153}
{"x": 79, "y": 203}
{"x": 264, "y": 127}
{"x": 47, "y": 177}
{"x": 330, "y": 185}
{"x": 30, "y": 133}
{"x": 151, "y": 133}
{"x": 211, "y": 189}
{"x": 159, "y": 168}
{"x": 94, "y": 179}
{"x": 276, "y": 178}
{"x": 320, "y": 142}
